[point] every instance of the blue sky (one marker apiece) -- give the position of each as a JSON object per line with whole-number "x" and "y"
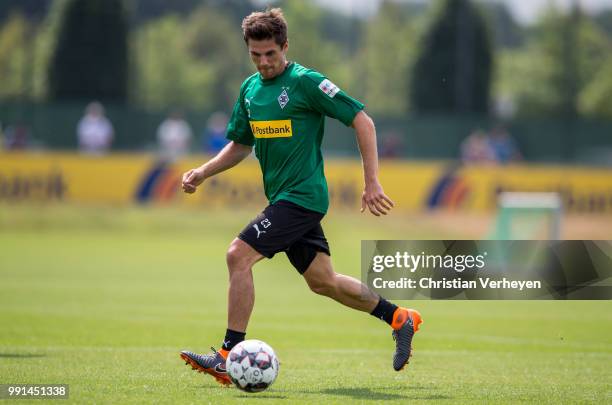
{"x": 525, "y": 11}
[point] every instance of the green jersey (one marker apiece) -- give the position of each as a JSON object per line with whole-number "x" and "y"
{"x": 284, "y": 117}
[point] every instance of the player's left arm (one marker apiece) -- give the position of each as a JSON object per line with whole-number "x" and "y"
{"x": 373, "y": 195}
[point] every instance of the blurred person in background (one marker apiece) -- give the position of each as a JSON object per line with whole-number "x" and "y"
{"x": 476, "y": 148}
{"x": 281, "y": 111}
{"x": 174, "y": 136}
{"x": 392, "y": 145}
{"x": 94, "y": 131}
{"x": 213, "y": 139}
{"x": 17, "y": 136}
{"x": 504, "y": 146}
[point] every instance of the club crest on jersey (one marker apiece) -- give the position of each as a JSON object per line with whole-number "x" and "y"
{"x": 283, "y": 99}
{"x": 329, "y": 88}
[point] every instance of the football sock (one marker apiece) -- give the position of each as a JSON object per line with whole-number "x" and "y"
{"x": 232, "y": 338}
{"x": 384, "y": 310}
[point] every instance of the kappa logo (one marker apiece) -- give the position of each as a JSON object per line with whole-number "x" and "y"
{"x": 329, "y": 88}
{"x": 283, "y": 99}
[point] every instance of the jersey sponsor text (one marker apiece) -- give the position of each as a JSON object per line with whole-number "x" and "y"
{"x": 272, "y": 129}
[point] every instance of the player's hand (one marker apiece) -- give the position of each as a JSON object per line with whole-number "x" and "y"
{"x": 192, "y": 179}
{"x": 376, "y": 200}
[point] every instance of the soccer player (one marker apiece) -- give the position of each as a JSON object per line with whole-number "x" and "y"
{"x": 281, "y": 111}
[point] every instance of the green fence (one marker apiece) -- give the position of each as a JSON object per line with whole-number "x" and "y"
{"x": 53, "y": 126}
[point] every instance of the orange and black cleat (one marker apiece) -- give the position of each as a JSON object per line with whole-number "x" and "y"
{"x": 213, "y": 364}
{"x": 405, "y": 324}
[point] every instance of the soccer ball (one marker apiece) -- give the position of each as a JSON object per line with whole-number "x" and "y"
{"x": 252, "y": 365}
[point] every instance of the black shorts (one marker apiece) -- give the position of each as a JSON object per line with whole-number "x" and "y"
{"x": 287, "y": 227}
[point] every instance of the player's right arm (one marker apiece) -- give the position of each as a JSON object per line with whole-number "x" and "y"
{"x": 240, "y": 146}
{"x": 232, "y": 154}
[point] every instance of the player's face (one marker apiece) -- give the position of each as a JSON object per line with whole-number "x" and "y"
{"x": 268, "y": 57}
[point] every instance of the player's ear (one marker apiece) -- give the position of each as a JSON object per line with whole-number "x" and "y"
{"x": 285, "y": 46}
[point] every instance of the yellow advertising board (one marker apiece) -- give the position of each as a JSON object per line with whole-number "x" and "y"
{"x": 140, "y": 178}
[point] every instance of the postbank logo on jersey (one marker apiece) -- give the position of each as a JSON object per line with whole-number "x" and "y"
{"x": 272, "y": 129}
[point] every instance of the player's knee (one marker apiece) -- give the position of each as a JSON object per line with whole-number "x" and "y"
{"x": 235, "y": 259}
{"x": 323, "y": 286}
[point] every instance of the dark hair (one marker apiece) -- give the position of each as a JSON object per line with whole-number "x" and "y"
{"x": 261, "y": 25}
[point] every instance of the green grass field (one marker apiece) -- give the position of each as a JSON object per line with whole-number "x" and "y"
{"x": 103, "y": 299}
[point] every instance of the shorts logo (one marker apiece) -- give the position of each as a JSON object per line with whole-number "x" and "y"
{"x": 265, "y": 223}
{"x": 329, "y": 88}
{"x": 258, "y": 231}
{"x": 272, "y": 129}
{"x": 283, "y": 99}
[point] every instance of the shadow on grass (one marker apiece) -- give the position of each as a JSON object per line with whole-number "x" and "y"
{"x": 20, "y": 355}
{"x": 374, "y": 394}
{"x": 264, "y": 396}
{"x": 240, "y": 394}
{"x": 369, "y": 394}
{"x": 352, "y": 392}
{"x": 211, "y": 387}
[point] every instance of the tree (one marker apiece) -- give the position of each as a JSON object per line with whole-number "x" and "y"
{"x": 506, "y": 33}
{"x": 591, "y": 65}
{"x": 196, "y": 62}
{"x": 309, "y": 47}
{"x": 145, "y": 10}
{"x": 14, "y": 45}
{"x": 604, "y": 20}
{"x": 595, "y": 99}
{"x": 215, "y": 40}
{"x": 452, "y": 73}
{"x": 90, "y": 60}
{"x": 31, "y": 9}
{"x": 558, "y": 73}
{"x": 385, "y": 82}
{"x": 165, "y": 73}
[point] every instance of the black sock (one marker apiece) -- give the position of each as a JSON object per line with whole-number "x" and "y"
{"x": 232, "y": 338}
{"x": 384, "y": 310}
